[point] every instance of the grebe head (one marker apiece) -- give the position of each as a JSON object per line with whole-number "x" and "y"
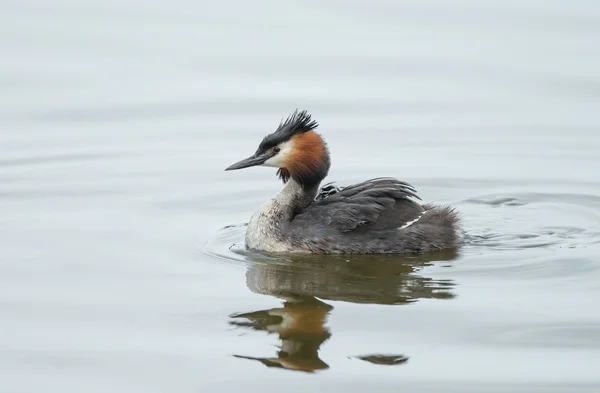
{"x": 296, "y": 149}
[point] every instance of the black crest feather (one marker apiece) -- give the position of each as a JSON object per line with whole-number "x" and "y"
{"x": 296, "y": 123}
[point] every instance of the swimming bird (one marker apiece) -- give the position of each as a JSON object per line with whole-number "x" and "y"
{"x": 378, "y": 216}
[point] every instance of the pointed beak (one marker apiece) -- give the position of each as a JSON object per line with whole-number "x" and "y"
{"x": 256, "y": 159}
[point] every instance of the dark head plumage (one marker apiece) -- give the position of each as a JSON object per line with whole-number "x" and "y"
{"x": 296, "y": 123}
{"x": 295, "y": 149}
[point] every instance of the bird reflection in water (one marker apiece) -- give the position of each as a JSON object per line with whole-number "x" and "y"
{"x": 302, "y": 280}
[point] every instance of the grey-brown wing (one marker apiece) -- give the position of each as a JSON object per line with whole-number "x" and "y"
{"x": 381, "y": 203}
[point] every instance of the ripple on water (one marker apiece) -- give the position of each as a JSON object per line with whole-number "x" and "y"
{"x": 532, "y": 220}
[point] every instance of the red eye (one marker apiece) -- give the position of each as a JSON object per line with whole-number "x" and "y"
{"x": 276, "y": 149}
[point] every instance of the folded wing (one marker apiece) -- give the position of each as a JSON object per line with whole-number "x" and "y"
{"x": 376, "y": 204}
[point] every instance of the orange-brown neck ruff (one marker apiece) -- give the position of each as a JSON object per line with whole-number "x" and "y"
{"x": 308, "y": 161}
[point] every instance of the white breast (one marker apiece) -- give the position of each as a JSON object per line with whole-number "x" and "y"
{"x": 261, "y": 233}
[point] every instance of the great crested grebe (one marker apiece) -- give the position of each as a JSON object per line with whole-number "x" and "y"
{"x": 377, "y": 216}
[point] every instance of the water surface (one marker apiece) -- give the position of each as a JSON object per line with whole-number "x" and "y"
{"x": 122, "y": 266}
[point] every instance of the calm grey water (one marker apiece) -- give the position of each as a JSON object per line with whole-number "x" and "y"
{"x": 122, "y": 266}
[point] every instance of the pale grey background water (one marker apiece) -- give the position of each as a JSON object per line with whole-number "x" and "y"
{"x": 118, "y": 118}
